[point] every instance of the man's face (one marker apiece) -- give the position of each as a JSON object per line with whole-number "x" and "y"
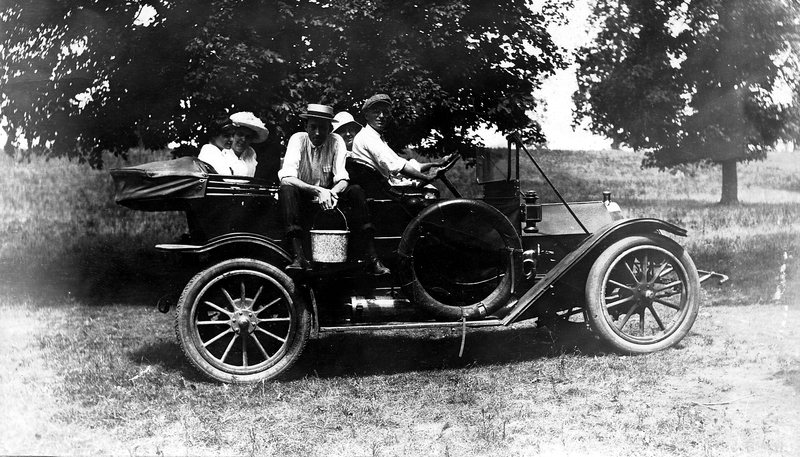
{"x": 242, "y": 137}
{"x": 378, "y": 116}
{"x": 318, "y": 130}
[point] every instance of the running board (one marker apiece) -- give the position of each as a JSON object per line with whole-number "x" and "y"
{"x": 410, "y": 325}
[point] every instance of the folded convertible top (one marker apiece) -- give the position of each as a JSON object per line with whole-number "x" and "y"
{"x": 161, "y": 186}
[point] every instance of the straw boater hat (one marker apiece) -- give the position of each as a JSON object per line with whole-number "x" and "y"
{"x": 249, "y": 120}
{"x": 318, "y": 111}
{"x": 374, "y": 100}
{"x": 343, "y": 119}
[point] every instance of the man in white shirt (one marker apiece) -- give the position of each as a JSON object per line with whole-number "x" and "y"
{"x": 370, "y": 148}
{"x": 314, "y": 177}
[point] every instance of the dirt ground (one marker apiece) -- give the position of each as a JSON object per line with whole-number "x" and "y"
{"x": 756, "y": 386}
{"x": 748, "y": 379}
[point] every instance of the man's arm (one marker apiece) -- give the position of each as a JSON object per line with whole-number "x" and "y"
{"x": 341, "y": 177}
{"x": 423, "y": 167}
{"x": 339, "y": 186}
{"x": 411, "y": 172}
{"x": 326, "y": 197}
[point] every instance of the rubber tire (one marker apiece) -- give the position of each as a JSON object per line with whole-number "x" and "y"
{"x": 598, "y": 316}
{"x": 191, "y": 341}
{"x": 414, "y": 289}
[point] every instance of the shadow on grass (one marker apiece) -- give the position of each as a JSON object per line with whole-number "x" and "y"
{"x": 365, "y": 354}
{"x": 105, "y": 274}
{"x": 790, "y": 378}
{"x": 368, "y": 354}
{"x": 169, "y": 356}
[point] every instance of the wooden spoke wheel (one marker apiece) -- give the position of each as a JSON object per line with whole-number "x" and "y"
{"x": 241, "y": 321}
{"x": 642, "y": 294}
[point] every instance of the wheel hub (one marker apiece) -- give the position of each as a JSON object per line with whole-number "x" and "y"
{"x": 644, "y": 293}
{"x": 243, "y": 321}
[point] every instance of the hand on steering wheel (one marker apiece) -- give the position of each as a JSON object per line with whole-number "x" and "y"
{"x": 448, "y": 164}
{"x": 446, "y": 160}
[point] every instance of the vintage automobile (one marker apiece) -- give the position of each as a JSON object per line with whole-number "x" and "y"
{"x": 456, "y": 262}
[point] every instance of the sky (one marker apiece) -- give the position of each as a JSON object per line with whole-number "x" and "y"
{"x": 557, "y": 91}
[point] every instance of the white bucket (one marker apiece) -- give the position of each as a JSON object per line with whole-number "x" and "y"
{"x": 329, "y": 246}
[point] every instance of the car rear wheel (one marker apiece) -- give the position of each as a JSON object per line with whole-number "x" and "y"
{"x": 241, "y": 321}
{"x": 642, "y": 294}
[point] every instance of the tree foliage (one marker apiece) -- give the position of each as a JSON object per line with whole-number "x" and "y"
{"x": 692, "y": 80}
{"x": 83, "y": 76}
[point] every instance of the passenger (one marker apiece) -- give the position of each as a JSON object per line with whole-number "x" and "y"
{"x": 220, "y": 137}
{"x": 369, "y": 146}
{"x": 314, "y": 177}
{"x": 229, "y": 150}
{"x": 346, "y": 127}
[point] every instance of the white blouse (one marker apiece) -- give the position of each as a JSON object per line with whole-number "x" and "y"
{"x": 225, "y": 161}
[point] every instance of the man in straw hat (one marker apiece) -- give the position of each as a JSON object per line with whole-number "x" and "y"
{"x": 243, "y": 128}
{"x": 314, "y": 177}
{"x": 370, "y": 148}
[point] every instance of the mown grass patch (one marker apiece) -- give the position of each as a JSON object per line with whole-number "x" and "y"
{"x": 514, "y": 392}
{"x": 118, "y": 376}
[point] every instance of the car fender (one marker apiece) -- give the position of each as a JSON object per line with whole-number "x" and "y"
{"x": 234, "y": 241}
{"x": 587, "y": 250}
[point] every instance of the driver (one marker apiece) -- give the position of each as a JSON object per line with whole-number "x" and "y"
{"x": 314, "y": 177}
{"x": 370, "y": 148}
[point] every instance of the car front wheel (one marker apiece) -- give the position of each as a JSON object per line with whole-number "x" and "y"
{"x": 642, "y": 294}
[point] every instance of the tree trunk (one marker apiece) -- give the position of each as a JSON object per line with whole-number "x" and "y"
{"x": 730, "y": 183}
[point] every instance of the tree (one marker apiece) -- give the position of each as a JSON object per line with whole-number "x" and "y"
{"x": 84, "y": 76}
{"x": 692, "y": 80}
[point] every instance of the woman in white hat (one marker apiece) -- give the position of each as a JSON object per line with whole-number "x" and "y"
{"x": 346, "y": 127}
{"x": 240, "y": 159}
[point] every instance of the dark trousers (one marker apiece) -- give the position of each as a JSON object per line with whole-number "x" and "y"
{"x": 295, "y": 204}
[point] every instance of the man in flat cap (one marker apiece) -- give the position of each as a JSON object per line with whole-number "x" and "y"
{"x": 370, "y": 148}
{"x": 314, "y": 177}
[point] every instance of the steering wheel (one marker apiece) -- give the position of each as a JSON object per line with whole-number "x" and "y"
{"x": 448, "y": 165}
{"x": 440, "y": 174}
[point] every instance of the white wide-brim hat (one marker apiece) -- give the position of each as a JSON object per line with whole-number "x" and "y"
{"x": 250, "y": 121}
{"x": 342, "y": 119}
{"x": 318, "y": 111}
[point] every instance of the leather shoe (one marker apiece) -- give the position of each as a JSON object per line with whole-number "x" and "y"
{"x": 376, "y": 268}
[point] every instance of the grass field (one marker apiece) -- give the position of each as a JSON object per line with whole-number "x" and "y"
{"x": 88, "y": 366}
